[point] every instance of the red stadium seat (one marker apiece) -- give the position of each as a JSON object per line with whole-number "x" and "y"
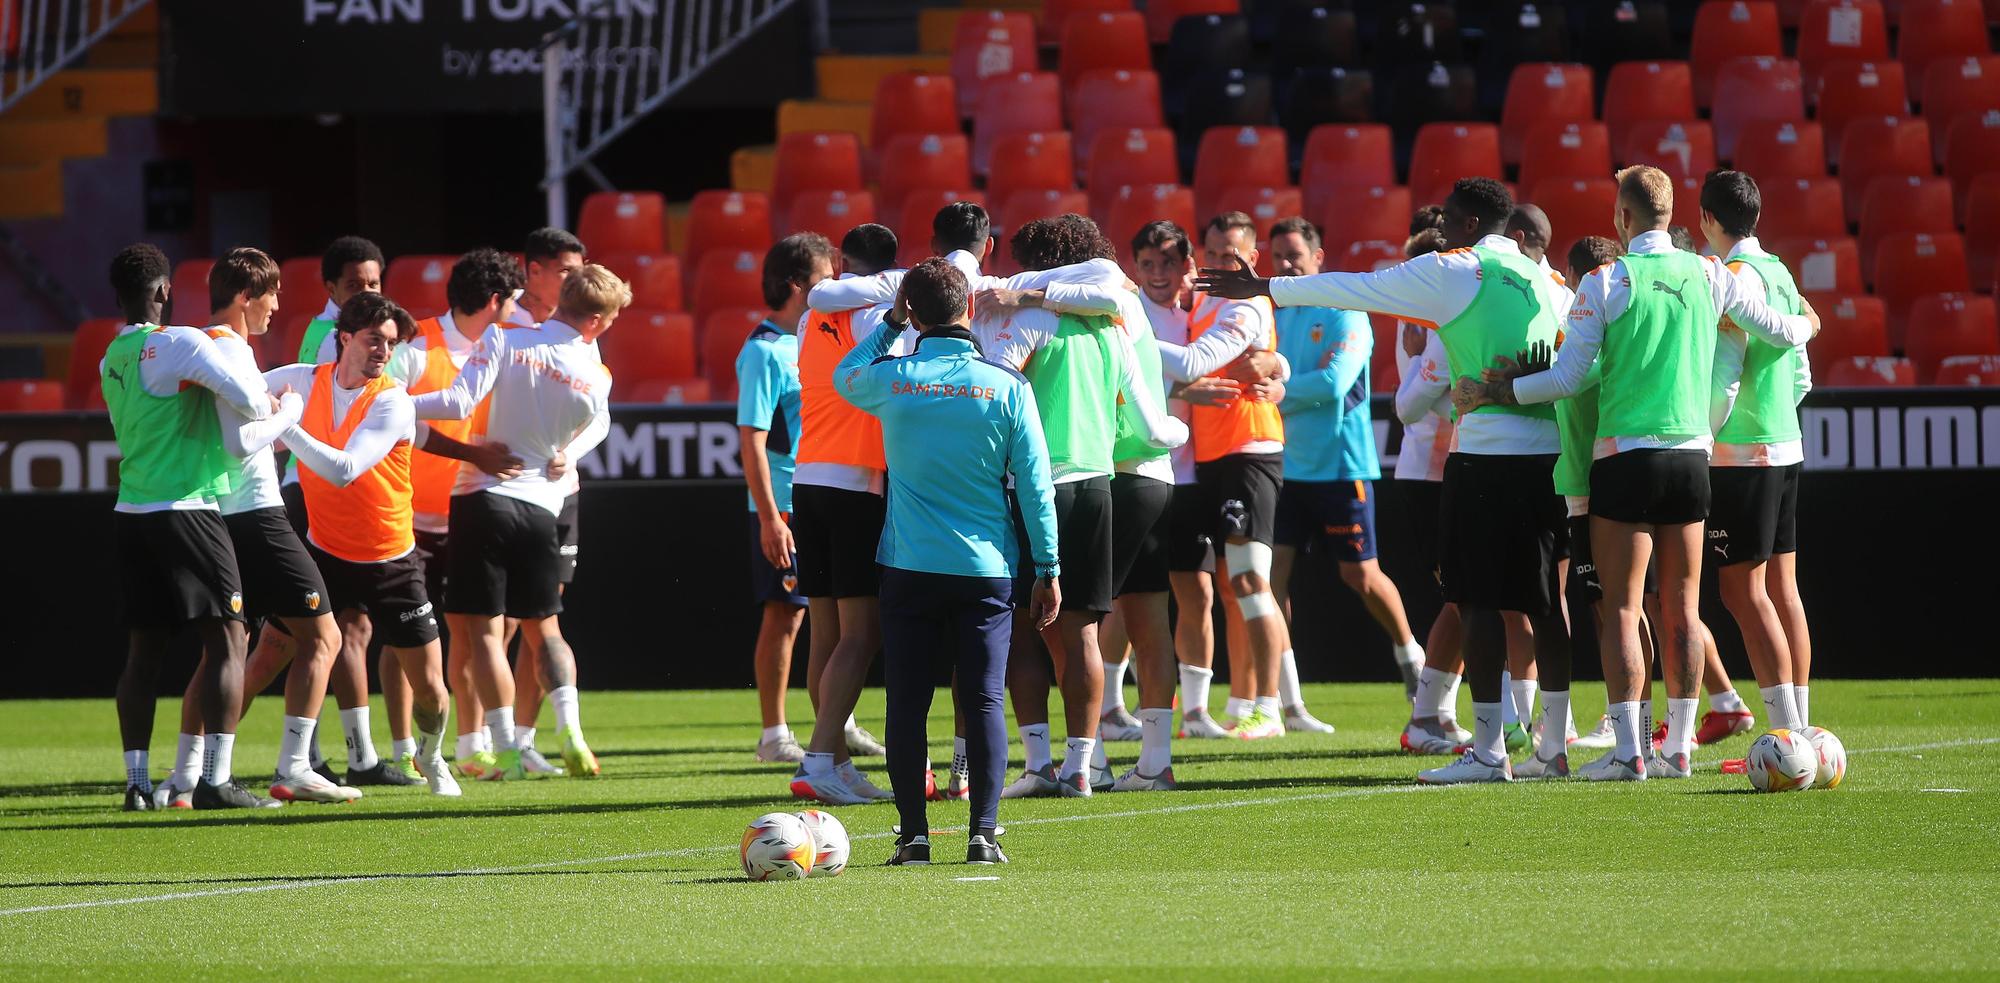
{"x": 624, "y": 222}
{"x": 989, "y": 43}
{"x": 31, "y": 396}
{"x": 1161, "y": 14}
{"x": 722, "y": 336}
{"x": 1941, "y": 325}
{"x": 1935, "y": 29}
{"x": 1022, "y": 207}
{"x": 1972, "y": 149}
{"x": 645, "y": 346}
{"x": 1541, "y": 92}
{"x": 1351, "y": 213}
{"x": 726, "y": 220}
{"x": 304, "y": 291}
{"x": 913, "y": 226}
{"x": 1680, "y": 147}
{"x": 1841, "y": 30}
{"x": 1229, "y": 156}
{"x": 670, "y": 392}
{"x": 1356, "y": 155}
{"x": 1030, "y": 102}
{"x": 1122, "y": 157}
{"x": 1382, "y": 377}
{"x": 1639, "y": 91}
{"x": 189, "y": 293}
{"x": 1726, "y": 31}
{"x": 1369, "y": 256}
{"x": 1134, "y": 206}
{"x": 1265, "y": 206}
{"x": 417, "y": 282}
{"x": 1056, "y": 14}
{"x": 1852, "y": 90}
{"x": 1801, "y": 208}
{"x": 280, "y": 345}
{"x": 1445, "y": 152}
{"x": 912, "y": 102}
{"x": 1982, "y": 229}
{"x": 925, "y": 160}
{"x": 655, "y": 278}
{"x": 1748, "y": 89}
{"x": 1559, "y": 150}
{"x": 1863, "y": 372}
{"x": 1850, "y": 325}
{"x": 1969, "y": 370}
{"x": 831, "y": 213}
{"x": 1687, "y": 205}
{"x": 1112, "y": 99}
{"x": 1877, "y": 146}
{"x": 1576, "y": 208}
{"x": 1107, "y": 39}
{"x": 814, "y": 161}
{"x": 1830, "y": 265}
{"x": 726, "y": 278}
{"x": 1953, "y": 87}
{"x": 1897, "y": 204}
{"x": 1029, "y": 161}
{"x": 1769, "y": 150}
{"x": 1913, "y": 265}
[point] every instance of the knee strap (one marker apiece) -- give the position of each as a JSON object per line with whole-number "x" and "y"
{"x": 1251, "y": 557}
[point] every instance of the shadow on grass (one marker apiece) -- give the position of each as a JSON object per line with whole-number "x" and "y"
{"x": 61, "y": 789}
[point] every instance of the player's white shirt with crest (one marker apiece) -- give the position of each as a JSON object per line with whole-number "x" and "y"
{"x": 255, "y": 484}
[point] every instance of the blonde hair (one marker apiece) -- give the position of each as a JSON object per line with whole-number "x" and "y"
{"x": 593, "y": 291}
{"x": 1648, "y": 191}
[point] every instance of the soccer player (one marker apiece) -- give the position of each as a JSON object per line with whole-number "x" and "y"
{"x": 954, "y": 426}
{"x": 353, "y": 444}
{"x": 1327, "y": 501}
{"x": 1649, "y": 322}
{"x": 175, "y": 565}
{"x": 1500, "y": 512}
{"x": 548, "y": 390}
{"x": 767, "y": 421}
{"x": 552, "y": 255}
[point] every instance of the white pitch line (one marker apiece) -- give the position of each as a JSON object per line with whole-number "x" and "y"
{"x": 1967, "y": 742}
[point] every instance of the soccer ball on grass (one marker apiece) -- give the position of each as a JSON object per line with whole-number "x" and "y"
{"x": 829, "y": 841}
{"x": 1830, "y": 756}
{"x": 778, "y": 847}
{"x": 1782, "y": 761}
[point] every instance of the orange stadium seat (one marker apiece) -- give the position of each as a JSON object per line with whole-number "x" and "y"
{"x": 1056, "y": 14}
{"x": 1368, "y": 256}
{"x": 1229, "y": 156}
{"x": 1912, "y": 265}
{"x": 1851, "y": 90}
{"x": 1030, "y": 102}
{"x": 912, "y": 102}
{"x": 1264, "y": 204}
{"x": 1780, "y": 148}
{"x": 1639, "y": 91}
{"x": 1445, "y": 152}
{"x": 1982, "y": 229}
{"x": 989, "y": 43}
{"x": 1112, "y": 99}
{"x": 1351, "y": 155}
{"x": 1122, "y": 157}
{"x": 1972, "y": 149}
{"x": 1687, "y": 205}
{"x": 925, "y": 160}
{"x": 417, "y": 282}
{"x": 1725, "y": 31}
{"x": 1351, "y": 213}
{"x": 1826, "y": 265}
{"x": 913, "y": 227}
{"x": 1576, "y": 207}
{"x": 1841, "y": 30}
{"x": 722, "y": 336}
{"x": 1128, "y": 211}
{"x": 831, "y": 213}
{"x": 670, "y": 392}
{"x": 1022, "y": 207}
{"x": 1935, "y": 29}
{"x": 726, "y": 278}
{"x": 1947, "y": 324}
{"x": 1106, "y": 39}
{"x": 1801, "y": 208}
{"x": 1969, "y": 370}
{"x": 1541, "y": 92}
{"x": 1748, "y": 89}
{"x": 304, "y": 291}
{"x": 280, "y": 345}
{"x": 1031, "y": 160}
{"x": 1865, "y": 372}
{"x": 1556, "y": 150}
{"x": 1953, "y": 87}
{"x": 1875, "y": 146}
{"x": 1681, "y": 147}
{"x": 623, "y": 222}
{"x": 648, "y": 345}
{"x": 189, "y": 296}
{"x": 31, "y": 396}
{"x": 814, "y": 161}
{"x": 1896, "y": 203}
{"x": 1161, "y": 14}
{"x": 1850, "y": 325}
{"x": 656, "y": 278}
{"x": 726, "y": 220}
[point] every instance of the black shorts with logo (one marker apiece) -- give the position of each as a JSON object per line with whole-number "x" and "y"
{"x": 280, "y": 579}
{"x": 1584, "y": 582}
{"x": 1335, "y": 516}
{"x": 1190, "y": 534}
{"x": 1083, "y": 542}
{"x": 392, "y": 592}
{"x": 503, "y": 558}
{"x": 176, "y": 566}
{"x": 1753, "y": 514}
{"x": 837, "y": 532}
{"x": 566, "y": 540}
{"x": 767, "y": 583}
{"x": 1651, "y": 486}
{"x": 1140, "y": 524}
{"x": 1423, "y": 499}
{"x": 1242, "y": 495}
{"x": 434, "y": 552}
{"x": 1501, "y": 518}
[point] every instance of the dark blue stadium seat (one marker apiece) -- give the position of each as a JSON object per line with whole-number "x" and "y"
{"x": 1201, "y": 46}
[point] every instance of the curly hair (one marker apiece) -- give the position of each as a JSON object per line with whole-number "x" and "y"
{"x": 345, "y": 250}
{"x": 136, "y": 270}
{"x": 480, "y": 275}
{"x": 1047, "y": 243}
{"x": 1483, "y": 198}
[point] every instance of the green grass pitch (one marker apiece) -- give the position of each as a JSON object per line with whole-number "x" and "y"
{"x": 1307, "y": 857}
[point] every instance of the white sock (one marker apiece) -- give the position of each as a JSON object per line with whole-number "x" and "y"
{"x": 1489, "y": 739}
{"x": 1097, "y": 758}
{"x": 468, "y": 745}
{"x": 430, "y": 744}
{"x": 217, "y": 752}
{"x": 1409, "y": 654}
{"x": 1727, "y": 701}
{"x": 1447, "y": 707}
{"x": 1625, "y": 724}
{"x": 1800, "y": 694}
{"x": 569, "y": 716}
{"x": 313, "y": 755}
{"x": 524, "y": 737}
{"x": 187, "y": 762}
{"x": 959, "y": 765}
{"x": 1646, "y": 719}
{"x": 500, "y": 721}
{"x": 1077, "y": 757}
{"x": 1523, "y": 691}
{"x": 360, "y": 744}
{"x": 1779, "y": 709}
{"x": 138, "y": 771}
{"x": 817, "y": 765}
{"x": 770, "y": 734}
{"x": 1288, "y": 680}
{"x": 847, "y": 771}
{"x": 1555, "y": 724}
{"x": 1429, "y": 683}
{"x": 1507, "y": 705}
{"x": 293, "y": 758}
{"x": 485, "y": 733}
{"x": 1237, "y": 708}
{"x": 1156, "y": 726}
{"x": 1194, "y": 688}
{"x": 401, "y": 747}
{"x": 1114, "y": 686}
{"x": 1680, "y": 727}
{"x": 1035, "y": 741}
{"x": 1269, "y": 704}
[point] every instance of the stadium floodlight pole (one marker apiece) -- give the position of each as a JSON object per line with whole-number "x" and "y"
{"x": 556, "y": 184}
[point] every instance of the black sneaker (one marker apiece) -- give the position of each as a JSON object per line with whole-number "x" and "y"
{"x": 229, "y": 795}
{"x": 381, "y": 774}
{"x": 984, "y": 849}
{"x": 911, "y": 851}
{"x": 137, "y": 800}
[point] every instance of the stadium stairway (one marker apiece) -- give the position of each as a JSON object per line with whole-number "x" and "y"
{"x": 68, "y": 116}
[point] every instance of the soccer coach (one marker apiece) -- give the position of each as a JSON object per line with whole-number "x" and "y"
{"x": 953, "y": 426}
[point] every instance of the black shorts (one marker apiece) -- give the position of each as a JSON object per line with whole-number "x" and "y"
{"x": 1241, "y": 493}
{"x": 837, "y": 532}
{"x": 1753, "y": 515}
{"x": 503, "y": 558}
{"x": 1501, "y": 517}
{"x": 1656, "y": 487}
{"x": 294, "y": 495}
{"x": 434, "y": 552}
{"x": 767, "y": 583}
{"x": 1140, "y": 522}
{"x": 392, "y": 592}
{"x": 1190, "y": 540}
{"x": 280, "y": 579}
{"x": 1335, "y": 516}
{"x": 176, "y": 566}
{"x": 566, "y": 537}
{"x": 1423, "y": 500}
{"x": 1584, "y": 582}
{"x": 1083, "y": 542}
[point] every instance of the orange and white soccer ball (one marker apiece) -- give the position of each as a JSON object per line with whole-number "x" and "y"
{"x": 1782, "y": 761}
{"x": 1830, "y": 756}
{"x": 829, "y": 841}
{"x": 778, "y": 847}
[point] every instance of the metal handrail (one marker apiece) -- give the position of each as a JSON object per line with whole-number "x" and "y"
{"x": 36, "y": 42}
